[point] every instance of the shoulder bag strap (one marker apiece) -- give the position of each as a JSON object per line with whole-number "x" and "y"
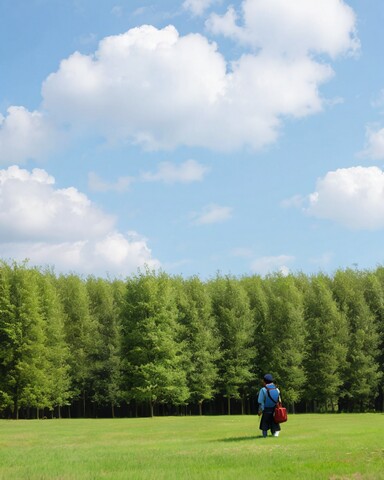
{"x": 270, "y": 396}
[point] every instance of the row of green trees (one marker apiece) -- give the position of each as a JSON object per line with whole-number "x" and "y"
{"x": 152, "y": 344}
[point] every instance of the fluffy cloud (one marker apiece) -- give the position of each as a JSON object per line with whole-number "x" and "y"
{"x": 212, "y": 214}
{"x": 353, "y": 197}
{"x": 62, "y": 227}
{"x": 291, "y": 28}
{"x": 265, "y": 265}
{"x": 186, "y": 172}
{"x": 147, "y": 85}
{"x": 25, "y": 135}
{"x": 158, "y": 89}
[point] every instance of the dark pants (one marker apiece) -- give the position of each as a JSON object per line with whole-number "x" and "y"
{"x": 267, "y": 423}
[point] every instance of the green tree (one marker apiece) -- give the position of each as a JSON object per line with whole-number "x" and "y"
{"x": 285, "y": 331}
{"x": 199, "y": 334}
{"x": 56, "y": 349}
{"x": 79, "y": 329}
{"x": 8, "y": 338}
{"x": 27, "y": 372}
{"x": 105, "y": 357}
{"x": 374, "y": 296}
{"x": 362, "y": 373}
{"x": 152, "y": 357}
{"x": 326, "y": 344}
{"x": 230, "y": 306}
{"x": 258, "y": 302}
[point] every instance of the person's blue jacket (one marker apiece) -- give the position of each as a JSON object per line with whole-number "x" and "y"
{"x": 264, "y": 399}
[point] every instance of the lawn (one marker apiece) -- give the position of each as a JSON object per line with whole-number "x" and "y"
{"x": 335, "y": 447}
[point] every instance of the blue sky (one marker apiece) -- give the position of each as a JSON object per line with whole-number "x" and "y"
{"x": 195, "y": 136}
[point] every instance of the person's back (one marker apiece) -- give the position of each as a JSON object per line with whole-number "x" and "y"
{"x": 269, "y": 396}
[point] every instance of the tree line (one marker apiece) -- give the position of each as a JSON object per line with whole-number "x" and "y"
{"x": 155, "y": 344}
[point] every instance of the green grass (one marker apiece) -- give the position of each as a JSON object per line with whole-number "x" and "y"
{"x": 311, "y": 447}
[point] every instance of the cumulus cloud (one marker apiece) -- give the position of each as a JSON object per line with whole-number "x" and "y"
{"x": 158, "y": 89}
{"x": 291, "y": 28}
{"x": 187, "y": 172}
{"x": 25, "y": 135}
{"x": 212, "y": 214}
{"x": 352, "y": 197}
{"x": 265, "y": 265}
{"x": 62, "y": 227}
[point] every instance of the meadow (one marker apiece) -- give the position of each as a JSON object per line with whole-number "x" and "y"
{"x": 310, "y": 447}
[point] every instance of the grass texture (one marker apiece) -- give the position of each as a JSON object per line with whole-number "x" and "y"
{"x": 310, "y": 447}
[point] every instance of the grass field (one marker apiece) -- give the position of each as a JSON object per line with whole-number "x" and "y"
{"x": 335, "y": 447}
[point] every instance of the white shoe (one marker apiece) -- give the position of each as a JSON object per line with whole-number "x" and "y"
{"x": 276, "y": 434}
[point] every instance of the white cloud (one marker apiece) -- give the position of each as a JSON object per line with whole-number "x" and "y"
{"x": 158, "y": 89}
{"x": 374, "y": 144}
{"x": 31, "y": 208}
{"x": 353, "y": 197}
{"x": 186, "y": 172}
{"x": 62, "y": 227}
{"x": 265, "y": 265}
{"x": 197, "y": 7}
{"x": 25, "y": 135}
{"x": 97, "y": 184}
{"x": 291, "y": 27}
{"x": 212, "y": 214}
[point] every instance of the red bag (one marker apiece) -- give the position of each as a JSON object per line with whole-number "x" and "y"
{"x": 280, "y": 414}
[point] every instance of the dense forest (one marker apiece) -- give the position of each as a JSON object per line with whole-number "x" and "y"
{"x": 155, "y": 344}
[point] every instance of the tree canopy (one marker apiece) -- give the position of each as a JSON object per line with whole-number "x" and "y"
{"x": 155, "y": 344}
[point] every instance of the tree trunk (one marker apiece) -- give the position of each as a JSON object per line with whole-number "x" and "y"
{"x": 113, "y": 410}
{"x": 151, "y": 408}
{"x": 201, "y": 407}
{"x": 229, "y": 405}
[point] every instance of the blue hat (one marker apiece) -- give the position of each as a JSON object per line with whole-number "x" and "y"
{"x": 268, "y": 378}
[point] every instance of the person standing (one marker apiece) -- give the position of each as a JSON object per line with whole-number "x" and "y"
{"x": 269, "y": 396}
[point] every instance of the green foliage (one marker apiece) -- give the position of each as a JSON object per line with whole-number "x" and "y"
{"x": 26, "y": 380}
{"x": 200, "y": 336}
{"x": 284, "y": 335}
{"x": 105, "y": 377}
{"x": 362, "y": 372}
{"x": 152, "y": 357}
{"x": 87, "y": 347}
{"x": 230, "y": 305}
{"x": 80, "y": 333}
{"x": 57, "y": 377}
{"x": 326, "y": 344}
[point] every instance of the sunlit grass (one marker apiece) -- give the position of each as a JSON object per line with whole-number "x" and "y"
{"x": 336, "y": 447}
